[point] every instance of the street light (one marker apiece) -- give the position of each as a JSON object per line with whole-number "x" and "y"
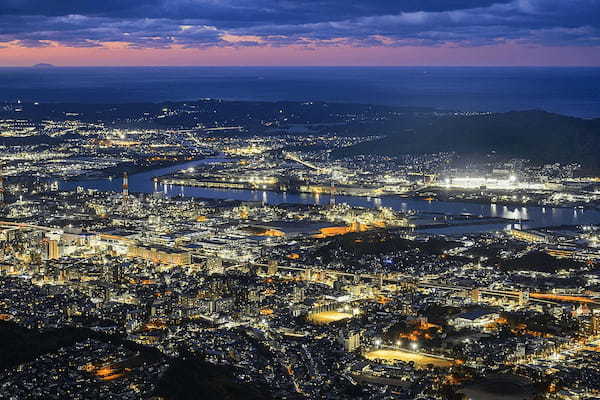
{"x": 414, "y": 345}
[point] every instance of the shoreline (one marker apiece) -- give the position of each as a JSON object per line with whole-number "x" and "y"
{"x": 166, "y": 179}
{"x": 270, "y": 188}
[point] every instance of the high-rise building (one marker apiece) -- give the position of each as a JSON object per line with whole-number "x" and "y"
{"x": 596, "y": 322}
{"x": 50, "y": 250}
{"x": 350, "y": 340}
{"x": 590, "y": 325}
{"x": 125, "y": 186}
{"x": 272, "y": 268}
{"x": 53, "y": 250}
{"x": 299, "y": 294}
{"x": 113, "y": 273}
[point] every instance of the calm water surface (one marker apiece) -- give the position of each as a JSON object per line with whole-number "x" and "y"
{"x": 569, "y": 91}
{"x": 536, "y": 216}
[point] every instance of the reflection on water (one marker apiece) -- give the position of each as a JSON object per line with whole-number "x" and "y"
{"x": 518, "y": 213}
{"x": 532, "y": 216}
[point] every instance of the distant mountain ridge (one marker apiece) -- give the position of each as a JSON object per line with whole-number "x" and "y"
{"x": 43, "y": 65}
{"x": 537, "y": 135}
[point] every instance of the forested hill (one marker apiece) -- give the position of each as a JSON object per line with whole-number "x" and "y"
{"x": 536, "y": 135}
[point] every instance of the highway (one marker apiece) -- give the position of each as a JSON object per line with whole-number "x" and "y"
{"x": 397, "y": 278}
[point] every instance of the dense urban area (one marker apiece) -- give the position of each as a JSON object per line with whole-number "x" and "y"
{"x": 246, "y": 250}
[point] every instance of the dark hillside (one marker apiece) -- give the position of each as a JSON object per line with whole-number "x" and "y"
{"x": 536, "y": 135}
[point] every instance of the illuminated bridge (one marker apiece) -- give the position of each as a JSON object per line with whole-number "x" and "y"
{"x": 294, "y": 157}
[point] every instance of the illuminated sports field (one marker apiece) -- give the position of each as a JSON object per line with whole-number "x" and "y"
{"x": 406, "y": 356}
{"x": 327, "y": 317}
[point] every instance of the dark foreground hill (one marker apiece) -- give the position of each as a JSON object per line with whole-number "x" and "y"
{"x": 187, "y": 377}
{"x": 536, "y": 135}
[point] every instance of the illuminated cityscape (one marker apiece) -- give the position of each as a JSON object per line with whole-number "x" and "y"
{"x": 300, "y": 200}
{"x": 136, "y": 256}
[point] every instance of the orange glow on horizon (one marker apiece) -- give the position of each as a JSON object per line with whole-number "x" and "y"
{"x": 333, "y": 53}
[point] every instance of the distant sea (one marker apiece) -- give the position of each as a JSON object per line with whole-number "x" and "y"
{"x": 569, "y": 91}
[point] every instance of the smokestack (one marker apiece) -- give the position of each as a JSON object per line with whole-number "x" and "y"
{"x": 125, "y": 185}
{"x": 332, "y": 192}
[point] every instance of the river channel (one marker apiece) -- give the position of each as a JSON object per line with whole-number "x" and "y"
{"x": 532, "y": 216}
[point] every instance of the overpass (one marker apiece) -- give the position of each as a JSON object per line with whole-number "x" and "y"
{"x": 408, "y": 281}
{"x": 27, "y": 226}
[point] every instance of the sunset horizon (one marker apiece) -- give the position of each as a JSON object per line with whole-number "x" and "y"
{"x": 493, "y": 56}
{"x": 237, "y": 33}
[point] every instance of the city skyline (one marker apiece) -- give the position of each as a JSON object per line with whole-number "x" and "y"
{"x": 267, "y": 250}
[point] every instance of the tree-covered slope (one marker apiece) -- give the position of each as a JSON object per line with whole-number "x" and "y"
{"x": 530, "y": 134}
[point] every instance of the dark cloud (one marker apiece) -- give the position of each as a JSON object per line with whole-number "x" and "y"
{"x": 202, "y": 23}
{"x": 244, "y": 10}
{"x": 66, "y": 7}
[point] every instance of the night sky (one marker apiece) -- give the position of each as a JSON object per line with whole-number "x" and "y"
{"x": 300, "y": 32}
